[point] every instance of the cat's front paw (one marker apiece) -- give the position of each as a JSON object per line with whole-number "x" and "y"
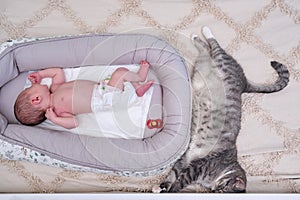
{"x": 175, "y": 187}
{"x": 157, "y": 189}
{"x": 162, "y": 188}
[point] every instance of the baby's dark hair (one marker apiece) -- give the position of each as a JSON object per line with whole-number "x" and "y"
{"x": 26, "y": 113}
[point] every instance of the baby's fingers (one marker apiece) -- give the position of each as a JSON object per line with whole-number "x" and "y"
{"x": 50, "y": 113}
{"x": 47, "y": 114}
{"x": 34, "y": 77}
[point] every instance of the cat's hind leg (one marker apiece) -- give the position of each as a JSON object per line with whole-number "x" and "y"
{"x": 212, "y": 42}
{"x": 201, "y": 45}
{"x": 207, "y": 32}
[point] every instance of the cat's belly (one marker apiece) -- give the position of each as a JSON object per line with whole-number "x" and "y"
{"x": 201, "y": 146}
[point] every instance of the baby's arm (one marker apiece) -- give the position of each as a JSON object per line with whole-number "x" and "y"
{"x": 67, "y": 121}
{"x": 57, "y": 75}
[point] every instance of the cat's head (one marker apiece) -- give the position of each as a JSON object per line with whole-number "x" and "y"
{"x": 233, "y": 181}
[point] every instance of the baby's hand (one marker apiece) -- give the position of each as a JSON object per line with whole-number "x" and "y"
{"x": 50, "y": 114}
{"x": 35, "y": 77}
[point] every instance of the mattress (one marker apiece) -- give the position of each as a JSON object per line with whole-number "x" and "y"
{"x": 255, "y": 33}
{"x": 158, "y": 149}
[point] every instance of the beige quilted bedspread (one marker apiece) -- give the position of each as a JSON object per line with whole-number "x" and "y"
{"x": 254, "y": 32}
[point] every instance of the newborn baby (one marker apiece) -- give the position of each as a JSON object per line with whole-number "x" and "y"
{"x": 65, "y": 100}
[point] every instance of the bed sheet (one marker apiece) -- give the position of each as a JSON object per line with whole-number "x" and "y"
{"x": 254, "y": 32}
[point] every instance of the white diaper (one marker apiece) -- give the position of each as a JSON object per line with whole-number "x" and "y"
{"x": 116, "y": 113}
{"x": 102, "y": 97}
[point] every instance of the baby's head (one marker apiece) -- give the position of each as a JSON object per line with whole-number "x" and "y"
{"x": 31, "y": 105}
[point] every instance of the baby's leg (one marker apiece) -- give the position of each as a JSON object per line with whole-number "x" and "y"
{"x": 144, "y": 69}
{"x": 117, "y": 78}
{"x": 122, "y": 75}
{"x": 140, "y": 89}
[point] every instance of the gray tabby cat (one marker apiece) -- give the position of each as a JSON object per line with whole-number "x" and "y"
{"x": 210, "y": 163}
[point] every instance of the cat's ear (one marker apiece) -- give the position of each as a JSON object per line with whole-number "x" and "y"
{"x": 240, "y": 184}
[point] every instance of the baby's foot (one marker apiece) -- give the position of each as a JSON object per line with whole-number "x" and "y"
{"x": 143, "y": 71}
{"x": 144, "y": 63}
{"x": 142, "y": 89}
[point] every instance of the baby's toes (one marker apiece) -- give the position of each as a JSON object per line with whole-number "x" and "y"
{"x": 144, "y": 63}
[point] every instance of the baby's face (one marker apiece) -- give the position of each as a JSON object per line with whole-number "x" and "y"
{"x": 41, "y": 89}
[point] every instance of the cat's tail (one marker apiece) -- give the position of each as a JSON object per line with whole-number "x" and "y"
{"x": 279, "y": 84}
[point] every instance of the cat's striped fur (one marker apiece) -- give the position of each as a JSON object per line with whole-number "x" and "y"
{"x": 210, "y": 164}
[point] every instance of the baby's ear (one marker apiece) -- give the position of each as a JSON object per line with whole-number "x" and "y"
{"x": 35, "y": 100}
